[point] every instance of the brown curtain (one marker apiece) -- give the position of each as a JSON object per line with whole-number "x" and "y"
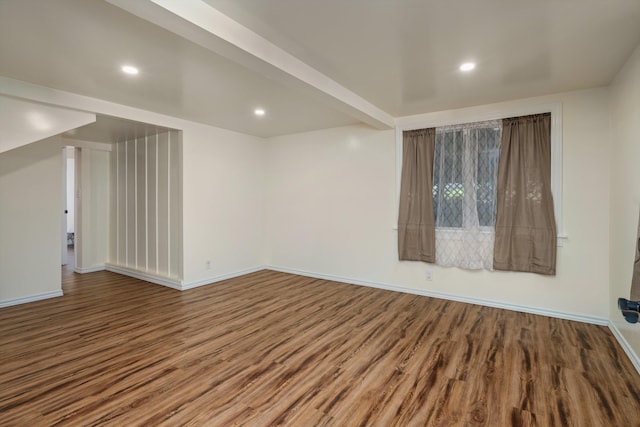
{"x": 416, "y": 225}
{"x": 525, "y": 223}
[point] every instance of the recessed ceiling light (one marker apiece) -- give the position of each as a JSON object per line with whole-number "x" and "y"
{"x": 259, "y": 112}
{"x": 130, "y": 69}
{"x": 467, "y": 66}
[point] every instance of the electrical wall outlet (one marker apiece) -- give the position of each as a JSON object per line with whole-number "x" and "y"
{"x": 207, "y": 265}
{"x": 429, "y": 275}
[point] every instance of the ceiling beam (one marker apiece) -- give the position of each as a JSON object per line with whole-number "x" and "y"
{"x": 23, "y": 122}
{"x": 198, "y": 22}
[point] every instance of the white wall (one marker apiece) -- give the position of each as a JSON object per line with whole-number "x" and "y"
{"x": 147, "y": 206}
{"x": 30, "y": 221}
{"x": 331, "y": 208}
{"x": 625, "y": 188}
{"x": 331, "y": 202}
{"x": 223, "y": 202}
{"x": 92, "y": 209}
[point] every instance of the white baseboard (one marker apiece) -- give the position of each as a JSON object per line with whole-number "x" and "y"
{"x": 89, "y": 270}
{"x": 147, "y": 277}
{"x": 488, "y": 303}
{"x": 625, "y": 345}
{"x": 220, "y": 278}
{"x": 31, "y": 298}
{"x": 178, "y": 284}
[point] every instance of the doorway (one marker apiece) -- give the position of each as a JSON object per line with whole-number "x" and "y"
{"x": 69, "y": 203}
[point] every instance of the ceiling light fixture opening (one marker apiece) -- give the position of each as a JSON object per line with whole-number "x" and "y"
{"x": 259, "y": 112}
{"x": 467, "y": 66}
{"x": 130, "y": 69}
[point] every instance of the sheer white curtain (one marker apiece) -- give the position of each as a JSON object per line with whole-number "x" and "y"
{"x": 464, "y": 193}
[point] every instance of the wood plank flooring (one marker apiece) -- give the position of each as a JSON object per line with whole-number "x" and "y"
{"x": 276, "y": 349}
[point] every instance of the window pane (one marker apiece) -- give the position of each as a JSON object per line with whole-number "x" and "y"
{"x": 465, "y": 159}
{"x": 448, "y": 187}
{"x": 487, "y": 172}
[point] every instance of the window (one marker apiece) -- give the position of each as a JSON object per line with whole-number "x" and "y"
{"x": 464, "y": 169}
{"x": 445, "y": 119}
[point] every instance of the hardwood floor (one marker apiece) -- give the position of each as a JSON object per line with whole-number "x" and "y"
{"x": 276, "y": 349}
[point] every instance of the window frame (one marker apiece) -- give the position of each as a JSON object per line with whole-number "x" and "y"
{"x": 493, "y": 112}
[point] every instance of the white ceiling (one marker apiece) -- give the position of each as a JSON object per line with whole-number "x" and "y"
{"x": 401, "y": 56}
{"x": 79, "y": 45}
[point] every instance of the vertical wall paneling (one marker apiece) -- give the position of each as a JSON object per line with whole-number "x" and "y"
{"x": 163, "y": 205}
{"x": 121, "y": 196}
{"x": 175, "y": 207}
{"x": 146, "y": 203}
{"x": 124, "y": 199}
{"x": 113, "y": 204}
{"x": 141, "y": 201}
{"x": 151, "y": 204}
{"x": 135, "y": 198}
{"x": 148, "y": 200}
{"x": 169, "y": 204}
{"x": 155, "y": 204}
{"x": 130, "y": 191}
{"x": 114, "y": 250}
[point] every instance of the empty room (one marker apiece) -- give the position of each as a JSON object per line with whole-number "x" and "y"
{"x": 306, "y": 213}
